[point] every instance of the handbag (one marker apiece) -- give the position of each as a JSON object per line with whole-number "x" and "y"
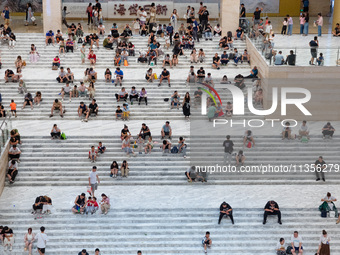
{"x": 125, "y": 63}
{"x": 33, "y": 18}
{"x": 54, "y": 67}
{"x": 249, "y": 145}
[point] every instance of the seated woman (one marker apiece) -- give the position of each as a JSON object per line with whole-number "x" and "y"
{"x": 131, "y": 49}
{"x": 62, "y": 46}
{"x": 223, "y": 43}
{"x": 201, "y": 56}
{"x": 225, "y": 80}
{"x": 193, "y": 56}
{"x": 47, "y": 205}
{"x": 230, "y": 42}
{"x": 159, "y": 49}
{"x": 18, "y": 62}
{"x": 69, "y": 45}
{"x": 38, "y": 205}
{"x": 259, "y": 97}
{"x": 22, "y": 87}
{"x": 105, "y": 204}
{"x": 18, "y": 75}
{"x": 91, "y": 90}
{"x": 248, "y": 137}
{"x": 37, "y": 98}
{"x": 167, "y": 61}
{"x": 12, "y": 171}
{"x": 28, "y": 100}
{"x": 117, "y": 59}
{"x": 15, "y": 134}
{"x": 2, "y": 111}
{"x": 174, "y": 60}
{"x": 114, "y": 169}
{"x": 217, "y": 30}
{"x": 124, "y": 169}
{"x": 8, "y": 236}
{"x": 240, "y": 158}
{"x": 29, "y": 240}
{"x": 108, "y": 75}
{"x": 92, "y": 57}
{"x": 126, "y": 146}
{"x": 58, "y": 36}
{"x": 55, "y": 132}
{"x": 143, "y": 95}
{"x": 150, "y": 76}
{"x": 166, "y": 146}
{"x": 79, "y": 204}
{"x": 79, "y": 31}
{"x": 328, "y": 204}
{"x": 34, "y": 55}
{"x": 56, "y": 61}
{"x": 178, "y": 50}
{"x": 8, "y": 75}
{"x": 229, "y": 109}
{"x": 149, "y": 145}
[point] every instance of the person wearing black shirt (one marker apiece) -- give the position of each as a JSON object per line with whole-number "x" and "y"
{"x": 165, "y": 75}
{"x": 216, "y": 62}
{"x": 125, "y": 132}
{"x": 328, "y": 130}
{"x": 314, "y": 44}
{"x": 38, "y": 205}
{"x": 320, "y": 165}
{"x": 242, "y": 14}
{"x": 204, "y": 18}
{"x": 257, "y": 15}
{"x": 226, "y": 210}
{"x": 271, "y": 208}
{"x": 228, "y": 149}
{"x": 8, "y": 74}
{"x": 93, "y": 108}
{"x": 290, "y": 60}
{"x": 98, "y": 5}
{"x": 336, "y": 31}
{"x": 145, "y": 131}
{"x": 200, "y": 74}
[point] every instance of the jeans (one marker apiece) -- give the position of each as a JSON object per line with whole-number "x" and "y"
{"x": 207, "y": 35}
{"x": 184, "y": 150}
{"x": 228, "y": 156}
{"x": 319, "y": 30}
{"x": 266, "y": 213}
{"x": 195, "y": 36}
{"x": 82, "y": 93}
{"x": 301, "y": 28}
{"x": 290, "y": 30}
{"x": 306, "y": 28}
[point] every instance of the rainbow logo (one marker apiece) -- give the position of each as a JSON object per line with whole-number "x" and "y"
{"x": 204, "y": 98}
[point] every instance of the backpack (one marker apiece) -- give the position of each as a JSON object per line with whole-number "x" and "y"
{"x": 80, "y": 40}
{"x": 323, "y": 214}
{"x": 63, "y": 136}
{"x": 304, "y": 139}
{"x": 174, "y": 149}
{"x": 289, "y": 250}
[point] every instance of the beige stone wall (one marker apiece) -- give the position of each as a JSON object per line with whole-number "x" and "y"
{"x": 316, "y": 6}
{"x": 3, "y": 166}
{"x": 229, "y": 15}
{"x": 52, "y": 15}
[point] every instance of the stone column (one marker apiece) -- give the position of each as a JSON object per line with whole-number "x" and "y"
{"x": 52, "y": 15}
{"x": 229, "y": 15}
{"x": 336, "y": 13}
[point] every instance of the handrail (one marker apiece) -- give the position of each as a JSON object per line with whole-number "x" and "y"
{"x": 8, "y": 117}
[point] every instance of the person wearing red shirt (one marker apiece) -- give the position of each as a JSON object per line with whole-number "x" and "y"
{"x": 92, "y": 57}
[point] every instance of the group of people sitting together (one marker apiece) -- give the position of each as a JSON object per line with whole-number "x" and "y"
{"x": 13, "y": 155}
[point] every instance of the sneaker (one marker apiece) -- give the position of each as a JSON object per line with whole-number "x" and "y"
{"x": 323, "y": 179}
{"x": 280, "y": 222}
{"x": 318, "y": 179}
{"x": 62, "y": 116}
{"x": 159, "y": 85}
{"x": 169, "y": 85}
{"x": 263, "y": 222}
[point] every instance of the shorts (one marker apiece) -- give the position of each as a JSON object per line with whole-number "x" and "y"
{"x": 66, "y": 93}
{"x": 166, "y": 133}
{"x": 94, "y": 186}
{"x": 314, "y": 54}
{"x": 10, "y": 171}
{"x": 42, "y": 250}
{"x": 15, "y": 111}
{"x": 297, "y": 248}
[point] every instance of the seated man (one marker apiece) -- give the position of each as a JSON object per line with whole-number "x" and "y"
{"x": 55, "y": 132}
{"x": 57, "y": 106}
{"x": 66, "y": 91}
{"x": 197, "y": 97}
{"x": 245, "y": 57}
{"x": 14, "y": 153}
{"x": 328, "y": 130}
{"x": 290, "y": 60}
{"x": 101, "y": 29}
{"x": 165, "y": 75}
{"x": 12, "y": 171}
{"x": 224, "y": 58}
{"x": 328, "y": 204}
{"x": 82, "y": 109}
{"x": 166, "y": 130}
{"x": 108, "y": 42}
{"x": 240, "y": 158}
{"x": 153, "y": 46}
{"x": 167, "y": 60}
{"x": 271, "y": 208}
{"x": 92, "y": 154}
{"x": 101, "y": 149}
{"x": 9, "y": 74}
{"x": 83, "y": 252}
{"x": 69, "y": 45}
{"x": 193, "y": 176}
{"x": 216, "y": 62}
{"x": 82, "y": 90}
{"x": 133, "y": 94}
{"x": 152, "y": 56}
{"x": 93, "y": 108}
{"x": 320, "y": 165}
{"x": 124, "y": 55}
{"x": 296, "y": 242}
{"x": 279, "y": 59}
{"x": 145, "y": 131}
{"x": 239, "y": 33}
{"x": 119, "y": 113}
{"x": 142, "y": 57}
{"x": 206, "y": 242}
{"x": 287, "y": 131}
{"x": 95, "y": 40}
{"x": 281, "y": 247}
{"x": 69, "y": 75}
{"x": 253, "y": 73}
{"x": 304, "y": 131}
{"x": 336, "y": 31}
{"x": 226, "y": 210}
{"x": 49, "y": 37}
{"x": 166, "y": 146}
{"x": 126, "y": 111}
{"x": 62, "y": 76}
{"x": 122, "y": 94}
{"x": 119, "y": 76}
{"x": 38, "y": 204}
{"x": 92, "y": 76}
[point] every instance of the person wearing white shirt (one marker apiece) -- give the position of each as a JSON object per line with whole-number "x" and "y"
{"x": 269, "y": 29}
{"x": 143, "y": 16}
{"x": 281, "y": 247}
{"x": 93, "y": 180}
{"x": 12, "y": 171}
{"x": 304, "y": 131}
{"x": 324, "y": 244}
{"x": 41, "y": 241}
{"x": 296, "y": 242}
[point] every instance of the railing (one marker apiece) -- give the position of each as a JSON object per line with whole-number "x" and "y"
{"x": 5, "y": 129}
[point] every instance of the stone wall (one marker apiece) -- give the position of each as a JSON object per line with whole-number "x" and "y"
{"x": 3, "y": 166}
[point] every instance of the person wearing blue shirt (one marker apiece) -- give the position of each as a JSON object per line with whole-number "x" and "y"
{"x": 170, "y": 30}
{"x": 166, "y": 130}
{"x": 279, "y": 59}
{"x": 195, "y": 29}
{"x": 6, "y": 15}
{"x": 153, "y": 46}
{"x": 253, "y": 73}
{"x": 49, "y": 37}
{"x": 119, "y": 76}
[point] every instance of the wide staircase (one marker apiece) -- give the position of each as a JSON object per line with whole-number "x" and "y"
{"x": 63, "y": 163}
{"x": 171, "y": 230}
{"x": 104, "y": 56}
{"x": 156, "y": 109}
